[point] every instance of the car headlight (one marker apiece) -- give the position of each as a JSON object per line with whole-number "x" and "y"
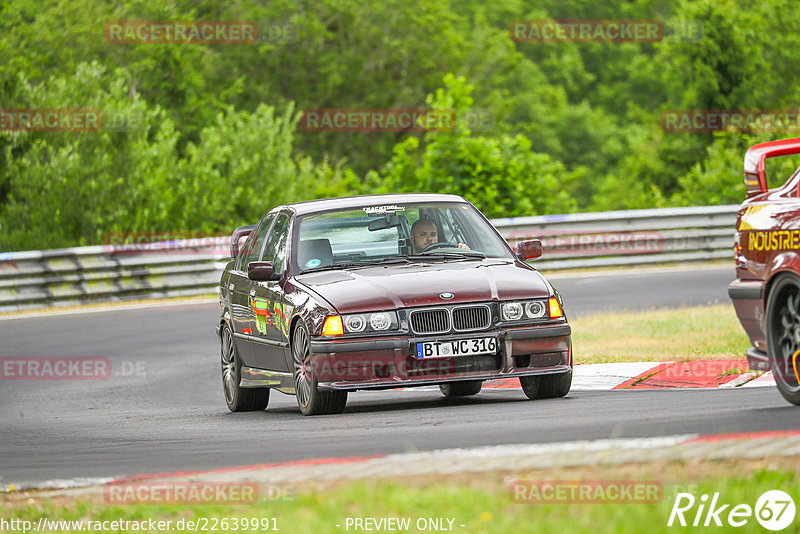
{"x": 370, "y": 322}
{"x": 535, "y": 309}
{"x": 355, "y": 323}
{"x": 511, "y": 311}
{"x": 380, "y": 321}
{"x": 527, "y": 309}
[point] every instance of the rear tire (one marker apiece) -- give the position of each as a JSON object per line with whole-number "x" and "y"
{"x": 237, "y": 398}
{"x": 783, "y": 335}
{"x": 310, "y": 399}
{"x": 461, "y": 389}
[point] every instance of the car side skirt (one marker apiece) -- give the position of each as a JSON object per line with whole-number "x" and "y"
{"x": 262, "y": 378}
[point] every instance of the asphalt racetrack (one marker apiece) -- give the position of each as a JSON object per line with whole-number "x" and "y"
{"x": 162, "y": 408}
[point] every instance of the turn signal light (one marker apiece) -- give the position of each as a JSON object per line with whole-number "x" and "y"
{"x": 555, "y": 308}
{"x": 333, "y": 326}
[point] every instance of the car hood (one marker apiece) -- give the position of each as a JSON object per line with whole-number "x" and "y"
{"x": 420, "y": 284}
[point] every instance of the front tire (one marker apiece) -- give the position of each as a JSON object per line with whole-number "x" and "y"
{"x": 461, "y": 389}
{"x": 783, "y": 335}
{"x": 237, "y": 398}
{"x": 310, "y": 399}
{"x": 546, "y": 386}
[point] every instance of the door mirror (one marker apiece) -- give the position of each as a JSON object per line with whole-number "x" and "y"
{"x": 237, "y": 238}
{"x": 261, "y": 271}
{"x": 528, "y": 250}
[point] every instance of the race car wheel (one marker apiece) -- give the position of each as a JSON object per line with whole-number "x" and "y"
{"x": 783, "y": 335}
{"x": 461, "y": 389}
{"x": 530, "y": 386}
{"x": 311, "y": 400}
{"x": 546, "y": 386}
{"x": 552, "y": 386}
{"x": 237, "y": 398}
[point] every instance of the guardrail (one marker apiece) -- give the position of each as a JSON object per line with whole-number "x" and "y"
{"x": 35, "y": 279}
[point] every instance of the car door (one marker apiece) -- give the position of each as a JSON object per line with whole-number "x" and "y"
{"x": 271, "y": 334}
{"x": 242, "y": 313}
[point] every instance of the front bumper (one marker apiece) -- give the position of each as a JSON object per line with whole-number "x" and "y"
{"x": 391, "y": 362}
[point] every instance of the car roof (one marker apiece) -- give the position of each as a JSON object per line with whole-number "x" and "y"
{"x": 325, "y": 204}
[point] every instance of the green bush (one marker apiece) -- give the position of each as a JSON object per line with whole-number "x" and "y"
{"x": 501, "y": 175}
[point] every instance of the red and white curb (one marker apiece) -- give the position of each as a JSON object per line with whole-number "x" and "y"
{"x": 504, "y": 458}
{"x": 658, "y": 375}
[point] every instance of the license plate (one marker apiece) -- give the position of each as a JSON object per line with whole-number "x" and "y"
{"x": 458, "y": 347}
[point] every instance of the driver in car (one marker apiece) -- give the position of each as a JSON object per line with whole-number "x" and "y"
{"x": 424, "y": 234}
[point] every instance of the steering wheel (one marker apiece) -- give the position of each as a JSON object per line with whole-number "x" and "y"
{"x": 434, "y": 246}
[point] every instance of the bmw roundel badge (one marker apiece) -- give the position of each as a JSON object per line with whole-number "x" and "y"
{"x": 446, "y": 296}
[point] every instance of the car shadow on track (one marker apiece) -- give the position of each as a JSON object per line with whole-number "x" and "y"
{"x": 391, "y": 405}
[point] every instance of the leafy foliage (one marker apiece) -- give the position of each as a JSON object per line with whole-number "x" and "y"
{"x": 212, "y": 137}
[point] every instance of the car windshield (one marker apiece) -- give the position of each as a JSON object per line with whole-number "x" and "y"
{"x": 400, "y": 232}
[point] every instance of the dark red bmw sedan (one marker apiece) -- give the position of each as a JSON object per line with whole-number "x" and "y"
{"x": 325, "y": 297}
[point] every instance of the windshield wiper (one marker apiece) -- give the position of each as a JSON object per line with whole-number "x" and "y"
{"x": 351, "y": 264}
{"x": 461, "y": 255}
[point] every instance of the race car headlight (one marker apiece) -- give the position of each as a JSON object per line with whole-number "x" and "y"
{"x": 511, "y": 311}
{"x": 355, "y": 323}
{"x": 526, "y": 309}
{"x": 370, "y": 322}
{"x": 380, "y": 321}
{"x": 534, "y": 309}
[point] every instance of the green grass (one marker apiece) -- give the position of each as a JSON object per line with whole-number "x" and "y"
{"x": 481, "y": 506}
{"x": 696, "y": 333}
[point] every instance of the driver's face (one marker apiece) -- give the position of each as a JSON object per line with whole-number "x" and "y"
{"x": 424, "y": 234}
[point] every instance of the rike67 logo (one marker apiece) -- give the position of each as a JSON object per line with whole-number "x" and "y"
{"x": 774, "y": 510}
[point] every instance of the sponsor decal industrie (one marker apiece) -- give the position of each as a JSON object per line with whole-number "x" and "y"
{"x": 726, "y": 120}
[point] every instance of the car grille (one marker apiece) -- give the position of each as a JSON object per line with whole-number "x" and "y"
{"x": 430, "y": 321}
{"x": 471, "y": 318}
{"x": 441, "y": 320}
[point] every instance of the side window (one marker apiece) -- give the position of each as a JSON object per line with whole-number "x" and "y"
{"x": 276, "y": 244}
{"x": 256, "y": 242}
